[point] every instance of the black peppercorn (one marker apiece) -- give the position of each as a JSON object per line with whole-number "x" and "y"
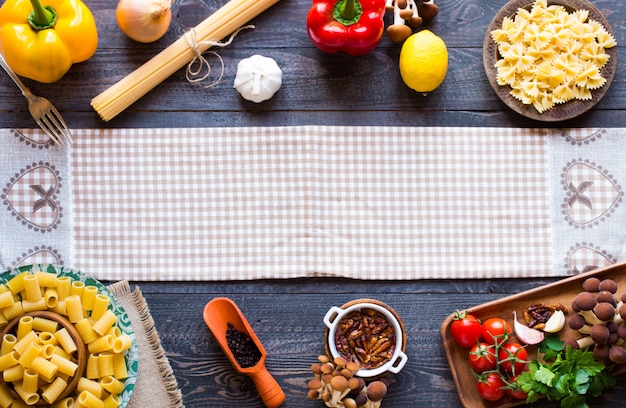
{"x": 244, "y": 350}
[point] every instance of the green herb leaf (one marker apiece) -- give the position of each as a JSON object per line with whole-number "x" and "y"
{"x": 551, "y": 347}
{"x": 574, "y": 401}
{"x": 570, "y": 377}
{"x": 545, "y": 376}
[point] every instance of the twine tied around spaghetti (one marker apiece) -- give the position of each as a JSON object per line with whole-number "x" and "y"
{"x": 199, "y": 63}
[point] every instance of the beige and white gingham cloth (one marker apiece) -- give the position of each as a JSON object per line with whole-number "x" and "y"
{"x": 357, "y": 202}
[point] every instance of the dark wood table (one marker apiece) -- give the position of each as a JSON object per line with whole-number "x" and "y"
{"x": 317, "y": 89}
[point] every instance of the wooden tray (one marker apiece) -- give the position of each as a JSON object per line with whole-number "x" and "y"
{"x": 563, "y": 291}
{"x": 560, "y": 112}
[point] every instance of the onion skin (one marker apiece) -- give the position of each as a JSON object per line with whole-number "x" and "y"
{"x": 144, "y": 21}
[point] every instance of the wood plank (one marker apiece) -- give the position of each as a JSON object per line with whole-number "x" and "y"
{"x": 344, "y": 89}
{"x": 287, "y": 317}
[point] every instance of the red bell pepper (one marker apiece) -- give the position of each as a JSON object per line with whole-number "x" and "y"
{"x": 352, "y": 26}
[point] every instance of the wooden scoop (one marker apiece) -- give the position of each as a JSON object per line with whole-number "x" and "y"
{"x": 217, "y": 314}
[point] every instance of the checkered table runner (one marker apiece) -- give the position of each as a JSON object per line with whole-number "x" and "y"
{"x": 357, "y": 202}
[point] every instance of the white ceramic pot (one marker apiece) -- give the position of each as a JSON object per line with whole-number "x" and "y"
{"x": 398, "y": 359}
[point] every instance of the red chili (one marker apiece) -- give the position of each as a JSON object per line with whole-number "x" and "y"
{"x": 352, "y": 26}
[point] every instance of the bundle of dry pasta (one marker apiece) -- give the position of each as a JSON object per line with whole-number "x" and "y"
{"x": 60, "y": 343}
{"x": 214, "y": 28}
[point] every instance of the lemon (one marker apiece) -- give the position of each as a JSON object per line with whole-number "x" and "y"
{"x": 423, "y": 61}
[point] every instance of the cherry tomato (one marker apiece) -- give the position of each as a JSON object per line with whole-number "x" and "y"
{"x": 513, "y": 357}
{"x": 516, "y": 391}
{"x": 482, "y": 357}
{"x": 494, "y": 329}
{"x": 465, "y": 329}
{"x": 491, "y": 388}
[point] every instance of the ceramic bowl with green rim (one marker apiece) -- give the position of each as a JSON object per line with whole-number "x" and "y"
{"x": 118, "y": 326}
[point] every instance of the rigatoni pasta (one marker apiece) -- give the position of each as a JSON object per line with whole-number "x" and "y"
{"x": 52, "y": 392}
{"x": 39, "y": 355}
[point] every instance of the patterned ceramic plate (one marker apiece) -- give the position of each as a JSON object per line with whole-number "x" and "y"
{"x": 123, "y": 321}
{"x": 559, "y": 112}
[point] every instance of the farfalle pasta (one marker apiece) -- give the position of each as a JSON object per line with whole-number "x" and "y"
{"x": 550, "y": 56}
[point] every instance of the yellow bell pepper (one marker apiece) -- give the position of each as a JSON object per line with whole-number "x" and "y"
{"x": 42, "y": 41}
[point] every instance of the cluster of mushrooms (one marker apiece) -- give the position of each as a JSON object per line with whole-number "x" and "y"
{"x": 600, "y": 316}
{"x": 407, "y": 15}
{"x": 336, "y": 384}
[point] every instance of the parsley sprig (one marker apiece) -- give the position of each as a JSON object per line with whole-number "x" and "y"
{"x": 568, "y": 376}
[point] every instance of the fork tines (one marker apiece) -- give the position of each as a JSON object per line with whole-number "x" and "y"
{"x": 53, "y": 124}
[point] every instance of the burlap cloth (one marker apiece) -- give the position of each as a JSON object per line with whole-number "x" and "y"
{"x": 156, "y": 385}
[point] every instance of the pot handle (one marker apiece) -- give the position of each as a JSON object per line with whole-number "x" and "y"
{"x": 398, "y": 363}
{"x": 331, "y": 315}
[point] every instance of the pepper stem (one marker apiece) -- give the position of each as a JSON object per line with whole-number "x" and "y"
{"x": 41, "y": 17}
{"x": 348, "y": 12}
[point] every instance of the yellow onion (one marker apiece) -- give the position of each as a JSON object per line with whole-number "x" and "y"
{"x": 144, "y": 21}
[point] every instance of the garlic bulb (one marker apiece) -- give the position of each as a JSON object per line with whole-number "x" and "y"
{"x": 258, "y": 78}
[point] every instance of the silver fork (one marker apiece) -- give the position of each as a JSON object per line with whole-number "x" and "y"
{"x": 43, "y": 111}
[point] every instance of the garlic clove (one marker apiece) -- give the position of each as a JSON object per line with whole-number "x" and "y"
{"x": 555, "y": 323}
{"x": 526, "y": 334}
{"x": 258, "y": 78}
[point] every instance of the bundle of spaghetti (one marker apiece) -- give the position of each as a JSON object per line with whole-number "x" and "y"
{"x": 217, "y": 26}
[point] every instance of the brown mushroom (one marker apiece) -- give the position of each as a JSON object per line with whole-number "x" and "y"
{"x": 617, "y": 355}
{"x": 584, "y": 301}
{"x": 361, "y": 400}
{"x": 344, "y": 372}
{"x": 315, "y": 384}
{"x": 601, "y": 352}
{"x": 604, "y": 296}
{"x": 406, "y": 13}
{"x": 600, "y": 334}
{"x": 339, "y": 390}
{"x": 398, "y": 31}
{"x": 621, "y": 332}
{"x": 577, "y": 322}
{"x": 376, "y": 391}
{"x": 340, "y": 362}
{"x": 608, "y": 284}
{"x": 349, "y": 403}
{"x": 572, "y": 343}
{"x": 327, "y": 396}
{"x": 326, "y": 378}
{"x": 313, "y": 395}
{"x": 605, "y": 312}
{"x": 621, "y": 314}
{"x": 353, "y": 366}
{"x": 428, "y": 10}
{"x": 591, "y": 284}
{"x": 316, "y": 368}
{"x": 327, "y": 368}
{"x": 584, "y": 342}
{"x": 356, "y": 384}
{"x": 414, "y": 19}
